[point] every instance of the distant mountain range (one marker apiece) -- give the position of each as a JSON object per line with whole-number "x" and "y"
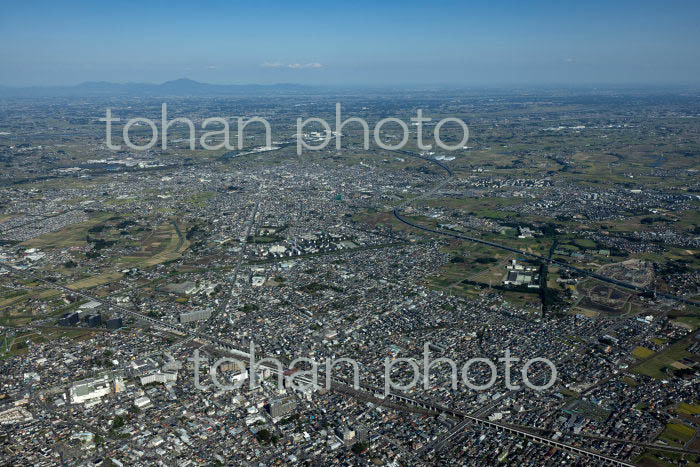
{"x": 178, "y": 87}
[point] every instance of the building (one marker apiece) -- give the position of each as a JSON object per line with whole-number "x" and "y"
{"x": 159, "y": 377}
{"x": 345, "y": 434}
{"x": 119, "y": 385}
{"x": 257, "y": 281}
{"x": 192, "y": 316}
{"x": 237, "y": 375}
{"x": 138, "y": 368}
{"x": 93, "y": 320}
{"x": 361, "y": 434}
{"x": 15, "y": 415}
{"x": 519, "y": 275}
{"x": 90, "y": 305}
{"x": 114, "y": 323}
{"x": 172, "y": 364}
{"x": 525, "y": 232}
{"x": 69, "y": 319}
{"x": 90, "y": 389}
{"x": 142, "y": 402}
{"x": 281, "y": 407}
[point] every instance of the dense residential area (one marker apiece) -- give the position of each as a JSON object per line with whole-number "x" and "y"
{"x": 116, "y": 268}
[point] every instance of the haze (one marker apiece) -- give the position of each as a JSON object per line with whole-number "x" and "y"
{"x": 475, "y": 43}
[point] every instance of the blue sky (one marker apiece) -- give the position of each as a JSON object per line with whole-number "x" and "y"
{"x": 360, "y": 42}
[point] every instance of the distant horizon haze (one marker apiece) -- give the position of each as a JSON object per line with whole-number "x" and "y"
{"x": 186, "y": 83}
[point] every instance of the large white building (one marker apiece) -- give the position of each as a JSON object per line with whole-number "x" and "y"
{"x": 90, "y": 389}
{"x": 159, "y": 377}
{"x": 142, "y": 402}
{"x": 195, "y": 316}
{"x": 15, "y": 415}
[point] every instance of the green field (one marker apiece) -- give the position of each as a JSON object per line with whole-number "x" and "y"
{"x": 642, "y": 353}
{"x": 653, "y": 367}
{"x": 677, "y": 434}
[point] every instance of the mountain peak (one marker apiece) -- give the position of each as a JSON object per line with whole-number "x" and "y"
{"x": 181, "y": 81}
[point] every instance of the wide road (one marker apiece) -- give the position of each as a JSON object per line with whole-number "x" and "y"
{"x": 233, "y": 278}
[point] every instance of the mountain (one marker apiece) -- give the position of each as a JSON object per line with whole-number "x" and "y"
{"x": 178, "y": 87}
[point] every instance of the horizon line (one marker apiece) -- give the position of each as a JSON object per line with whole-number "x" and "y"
{"x": 504, "y": 84}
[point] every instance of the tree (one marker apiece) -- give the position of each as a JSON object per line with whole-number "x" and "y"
{"x": 118, "y": 422}
{"x": 359, "y": 448}
{"x": 264, "y": 436}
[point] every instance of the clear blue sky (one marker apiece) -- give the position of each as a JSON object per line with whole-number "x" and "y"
{"x": 378, "y": 43}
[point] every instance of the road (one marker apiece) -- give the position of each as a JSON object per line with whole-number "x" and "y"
{"x": 544, "y": 259}
{"x": 232, "y": 281}
{"x": 401, "y": 399}
{"x": 336, "y": 384}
